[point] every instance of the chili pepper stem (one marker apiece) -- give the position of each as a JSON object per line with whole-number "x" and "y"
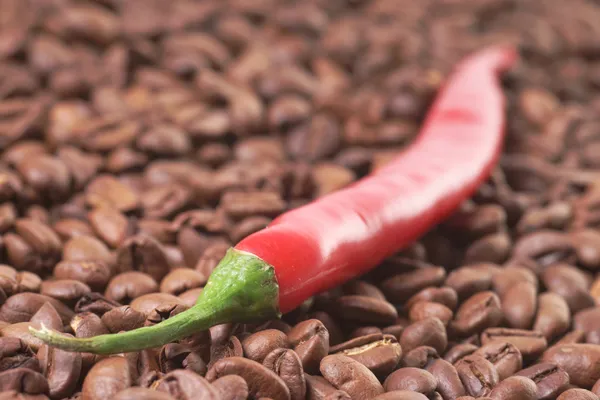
{"x": 242, "y": 288}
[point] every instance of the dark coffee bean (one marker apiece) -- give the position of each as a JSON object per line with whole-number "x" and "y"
{"x": 22, "y": 306}
{"x": 144, "y": 254}
{"x": 380, "y": 353}
{"x": 510, "y": 276}
{"x": 553, "y": 316}
{"x": 401, "y": 395}
{"x": 580, "y": 361}
{"x": 467, "y": 281}
{"x": 163, "y": 312}
{"x": 420, "y": 357}
{"x": 364, "y": 330}
{"x": 148, "y": 302}
{"x": 506, "y": 357}
{"x": 258, "y": 345}
{"x": 569, "y": 283}
{"x": 106, "y": 378}
{"x": 350, "y": 376}
{"x": 48, "y": 316}
{"x": 130, "y": 285}
{"x": 262, "y": 382}
{"x": 180, "y": 280}
{"x": 95, "y": 274}
{"x": 427, "y": 332}
{"x": 231, "y": 387}
{"x": 186, "y": 385}
{"x": 66, "y": 290}
{"x": 62, "y": 370}
{"x": 95, "y": 303}
{"x": 363, "y": 309}
{"x": 23, "y": 380}
{"x": 546, "y": 247}
{"x": 449, "y": 385}
{"x": 480, "y": 311}
{"x": 134, "y": 393}
{"x": 363, "y": 288}
{"x": 178, "y": 356}
{"x": 239, "y": 205}
{"x": 577, "y": 394}
{"x": 228, "y": 348}
{"x": 310, "y": 339}
{"x": 478, "y": 375}
{"x": 86, "y": 248}
{"x": 401, "y": 287}
{"x": 288, "y": 366}
{"x": 16, "y": 354}
{"x": 519, "y": 305}
{"x": 459, "y": 351}
{"x": 550, "y": 379}
{"x": 107, "y": 191}
{"x": 110, "y": 225}
{"x": 443, "y": 295}
{"x": 516, "y": 387}
{"x": 123, "y": 318}
{"x": 190, "y": 297}
{"x": 20, "y": 331}
{"x": 492, "y": 248}
{"x": 586, "y": 321}
{"x": 423, "y": 310}
{"x": 411, "y": 379}
{"x": 531, "y": 344}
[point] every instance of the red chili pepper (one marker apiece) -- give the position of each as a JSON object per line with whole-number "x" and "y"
{"x": 345, "y": 234}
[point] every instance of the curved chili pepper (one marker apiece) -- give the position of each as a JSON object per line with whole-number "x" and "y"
{"x": 343, "y": 235}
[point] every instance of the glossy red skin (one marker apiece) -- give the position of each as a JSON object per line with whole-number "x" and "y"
{"x": 343, "y": 235}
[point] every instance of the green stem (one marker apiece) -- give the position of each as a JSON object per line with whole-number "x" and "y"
{"x": 242, "y": 288}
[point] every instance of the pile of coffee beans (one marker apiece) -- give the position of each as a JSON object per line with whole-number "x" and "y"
{"x": 140, "y": 139}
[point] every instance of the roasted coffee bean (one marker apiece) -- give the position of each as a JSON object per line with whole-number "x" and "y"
{"x": 262, "y": 382}
{"x": 549, "y": 379}
{"x": 586, "y": 321}
{"x": 519, "y": 305}
{"x": 23, "y": 380}
{"x": 580, "y": 361}
{"x": 86, "y": 248}
{"x": 569, "y": 283}
{"x": 95, "y": 303}
{"x": 428, "y": 332}
{"x": 516, "y": 387}
{"x": 180, "y": 280}
{"x": 459, "y": 351}
{"x": 62, "y": 369}
{"x": 579, "y": 394}
{"x": 420, "y": 357}
{"x": 310, "y": 339}
{"x": 130, "y": 285}
{"x": 148, "y": 302}
{"x": 107, "y": 378}
{"x": 123, "y": 318}
{"x": 16, "y": 354}
{"x": 144, "y": 254}
{"x": 443, "y": 295}
{"x": 482, "y": 310}
{"x": 510, "y": 276}
{"x": 221, "y": 350}
{"x": 178, "y": 356}
{"x": 531, "y": 344}
{"x": 22, "y": 306}
{"x": 423, "y": 310}
{"x": 134, "y": 393}
{"x": 48, "y": 316}
{"x": 411, "y": 379}
{"x": 505, "y": 356}
{"x": 553, "y": 316}
{"x": 95, "y": 274}
{"x": 350, "y": 376}
{"x": 364, "y": 309}
{"x": 107, "y": 191}
{"x": 258, "y": 345}
{"x": 450, "y": 384}
{"x": 478, "y": 375}
{"x": 401, "y": 395}
{"x": 231, "y": 387}
{"x": 380, "y": 353}
{"x": 66, "y": 290}
{"x": 288, "y": 366}
{"x": 401, "y": 287}
{"x": 467, "y": 281}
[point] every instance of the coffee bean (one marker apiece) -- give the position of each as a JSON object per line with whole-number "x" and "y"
{"x": 288, "y": 366}
{"x": 427, "y": 332}
{"x": 505, "y": 356}
{"x": 95, "y": 274}
{"x": 411, "y": 379}
{"x": 86, "y": 248}
{"x": 515, "y": 387}
{"x": 350, "y": 376}
{"x": 459, "y": 351}
{"x": 510, "y": 276}
{"x": 450, "y": 384}
{"x": 130, "y": 285}
{"x": 231, "y": 387}
{"x": 62, "y": 370}
{"x": 163, "y": 312}
{"x": 443, "y": 295}
{"x": 467, "y": 281}
{"x": 401, "y": 287}
{"x": 258, "y": 345}
{"x": 420, "y": 357}
{"x": 553, "y": 316}
{"x": 180, "y": 280}
{"x": 22, "y": 306}
{"x": 478, "y": 375}
{"x": 16, "y": 354}
{"x": 134, "y": 393}
{"x": 106, "y": 191}
{"x": 48, "y": 316}
{"x": 550, "y": 379}
{"x": 380, "y": 353}
{"x": 123, "y": 318}
{"x": 480, "y": 311}
{"x": 144, "y": 254}
{"x": 310, "y": 339}
{"x": 110, "y": 225}
{"x": 221, "y": 350}
{"x": 107, "y": 378}
{"x": 95, "y": 303}
{"x": 365, "y": 309}
{"x": 262, "y": 382}
{"x": 423, "y": 310}
{"x": 531, "y": 344}
{"x": 519, "y": 305}
{"x": 66, "y": 290}
{"x": 175, "y": 356}
{"x": 580, "y": 361}
{"x": 363, "y": 288}
{"x": 148, "y": 302}
{"x": 186, "y": 385}
{"x": 23, "y": 380}
{"x": 579, "y": 394}
{"x": 585, "y": 321}
{"x": 569, "y": 283}
{"x": 401, "y": 395}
